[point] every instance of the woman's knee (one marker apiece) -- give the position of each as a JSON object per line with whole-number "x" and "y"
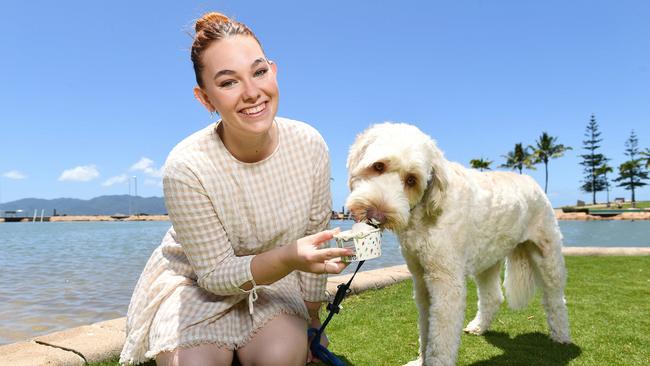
{"x": 206, "y": 354}
{"x": 282, "y": 342}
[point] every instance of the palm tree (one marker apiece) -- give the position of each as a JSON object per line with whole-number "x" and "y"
{"x": 545, "y": 150}
{"x": 603, "y": 170}
{"x": 518, "y": 159}
{"x": 480, "y": 164}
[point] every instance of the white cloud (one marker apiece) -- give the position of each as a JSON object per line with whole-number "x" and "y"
{"x": 115, "y": 180}
{"x": 146, "y": 165}
{"x": 14, "y": 174}
{"x": 82, "y": 173}
{"x": 153, "y": 182}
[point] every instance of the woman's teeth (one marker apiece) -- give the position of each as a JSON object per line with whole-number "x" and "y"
{"x": 254, "y": 110}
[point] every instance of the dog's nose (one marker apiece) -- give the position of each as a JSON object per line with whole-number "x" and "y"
{"x": 373, "y": 213}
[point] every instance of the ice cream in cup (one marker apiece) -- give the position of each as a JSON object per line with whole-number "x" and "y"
{"x": 364, "y": 239}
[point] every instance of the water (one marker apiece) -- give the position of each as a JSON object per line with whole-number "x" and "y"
{"x": 65, "y": 274}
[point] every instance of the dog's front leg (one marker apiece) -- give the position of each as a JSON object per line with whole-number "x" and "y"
{"x": 446, "y": 313}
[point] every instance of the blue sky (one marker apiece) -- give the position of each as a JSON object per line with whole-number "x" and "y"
{"x": 95, "y": 93}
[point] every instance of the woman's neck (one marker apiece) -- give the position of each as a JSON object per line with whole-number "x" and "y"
{"x": 249, "y": 149}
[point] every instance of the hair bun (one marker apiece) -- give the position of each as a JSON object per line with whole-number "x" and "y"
{"x": 210, "y": 19}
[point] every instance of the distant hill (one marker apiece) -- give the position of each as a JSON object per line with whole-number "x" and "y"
{"x": 102, "y": 205}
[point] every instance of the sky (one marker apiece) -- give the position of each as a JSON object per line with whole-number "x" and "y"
{"x": 94, "y": 94}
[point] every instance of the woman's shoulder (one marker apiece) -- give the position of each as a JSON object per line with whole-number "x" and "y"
{"x": 300, "y": 132}
{"x": 191, "y": 148}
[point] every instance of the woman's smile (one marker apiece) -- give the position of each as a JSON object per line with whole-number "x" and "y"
{"x": 254, "y": 111}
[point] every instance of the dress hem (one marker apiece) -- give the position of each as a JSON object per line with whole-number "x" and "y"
{"x": 151, "y": 355}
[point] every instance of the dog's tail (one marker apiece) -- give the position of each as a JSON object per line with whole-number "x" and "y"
{"x": 519, "y": 281}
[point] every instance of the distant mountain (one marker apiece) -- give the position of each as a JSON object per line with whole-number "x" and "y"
{"x": 102, "y": 205}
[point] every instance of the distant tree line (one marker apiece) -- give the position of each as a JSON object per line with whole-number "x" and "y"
{"x": 632, "y": 173}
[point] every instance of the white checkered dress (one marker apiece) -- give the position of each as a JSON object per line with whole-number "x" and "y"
{"x": 224, "y": 212}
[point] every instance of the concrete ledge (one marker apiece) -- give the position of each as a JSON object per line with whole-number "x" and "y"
{"x": 373, "y": 279}
{"x": 34, "y": 354}
{"x": 93, "y": 343}
{"x": 611, "y": 251}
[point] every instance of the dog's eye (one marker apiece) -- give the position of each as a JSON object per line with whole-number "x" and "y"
{"x": 411, "y": 181}
{"x": 378, "y": 167}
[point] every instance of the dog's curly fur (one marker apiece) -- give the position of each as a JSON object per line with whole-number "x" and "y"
{"x": 454, "y": 222}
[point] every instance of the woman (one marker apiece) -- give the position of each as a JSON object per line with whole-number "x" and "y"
{"x": 240, "y": 272}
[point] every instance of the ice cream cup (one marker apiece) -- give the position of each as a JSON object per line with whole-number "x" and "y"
{"x": 366, "y": 244}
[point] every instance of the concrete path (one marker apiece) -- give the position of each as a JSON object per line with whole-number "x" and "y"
{"x": 103, "y": 341}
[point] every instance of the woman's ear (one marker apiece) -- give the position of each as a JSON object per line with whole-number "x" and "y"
{"x": 274, "y": 67}
{"x": 203, "y": 98}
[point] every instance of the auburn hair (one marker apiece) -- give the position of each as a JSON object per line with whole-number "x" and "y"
{"x": 213, "y": 27}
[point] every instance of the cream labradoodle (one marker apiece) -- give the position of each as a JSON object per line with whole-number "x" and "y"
{"x": 454, "y": 222}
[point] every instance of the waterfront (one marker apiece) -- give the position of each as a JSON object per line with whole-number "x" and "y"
{"x": 64, "y": 274}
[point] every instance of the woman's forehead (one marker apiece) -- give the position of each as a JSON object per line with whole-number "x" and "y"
{"x": 233, "y": 53}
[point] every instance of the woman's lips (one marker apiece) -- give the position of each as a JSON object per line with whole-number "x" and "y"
{"x": 254, "y": 111}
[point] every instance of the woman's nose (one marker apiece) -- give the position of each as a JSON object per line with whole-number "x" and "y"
{"x": 251, "y": 92}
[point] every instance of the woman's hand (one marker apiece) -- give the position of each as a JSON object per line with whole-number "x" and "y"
{"x": 304, "y": 254}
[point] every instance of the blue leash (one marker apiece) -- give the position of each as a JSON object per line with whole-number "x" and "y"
{"x": 317, "y": 349}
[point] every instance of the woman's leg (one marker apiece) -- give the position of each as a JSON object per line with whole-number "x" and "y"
{"x": 203, "y": 355}
{"x": 281, "y": 342}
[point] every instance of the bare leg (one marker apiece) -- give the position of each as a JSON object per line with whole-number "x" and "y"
{"x": 281, "y": 342}
{"x": 203, "y": 355}
{"x": 490, "y": 297}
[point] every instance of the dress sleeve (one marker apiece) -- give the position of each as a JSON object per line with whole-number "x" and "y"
{"x": 313, "y": 286}
{"x": 201, "y": 234}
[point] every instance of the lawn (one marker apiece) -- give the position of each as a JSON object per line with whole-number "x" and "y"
{"x": 609, "y": 313}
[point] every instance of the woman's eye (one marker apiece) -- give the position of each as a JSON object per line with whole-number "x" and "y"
{"x": 411, "y": 181}
{"x": 260, "y": 72}
{"x": 378, "y": 167}
{"x": 227, "y": 83}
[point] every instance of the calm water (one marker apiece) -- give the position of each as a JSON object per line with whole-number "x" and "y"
{"x": 59, "y": 275}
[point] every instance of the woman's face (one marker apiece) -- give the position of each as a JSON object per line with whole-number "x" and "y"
{"x": 240, "y": 84}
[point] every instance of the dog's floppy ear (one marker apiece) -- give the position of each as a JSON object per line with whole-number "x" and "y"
{"x": 438, "y": 181}
{"x": 357, "y": 151}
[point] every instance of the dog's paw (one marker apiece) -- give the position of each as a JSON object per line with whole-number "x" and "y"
{"x": 562, "y": 339}
{"x": 474, "y": 328}
{"x": 417, "y": 362}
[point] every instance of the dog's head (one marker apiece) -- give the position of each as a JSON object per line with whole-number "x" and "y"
{"x": 394, "y": 167}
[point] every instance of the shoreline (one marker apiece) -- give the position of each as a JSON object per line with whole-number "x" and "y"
{"x": 103, "y": 341}
{"x": 559, "y": 214}
{"x": 93, "y": 218}
{"x": 582, "y": 216}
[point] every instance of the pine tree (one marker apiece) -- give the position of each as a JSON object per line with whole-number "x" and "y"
{"x": 602, "y": 171}
{"x": 593, "y": 181}
{"x": 631, "y": 174}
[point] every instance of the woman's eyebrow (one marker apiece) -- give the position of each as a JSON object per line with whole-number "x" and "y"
{"x": 257, "y": 62}
{"x": 223, "y": 72}
{"x": 231, "y": 72}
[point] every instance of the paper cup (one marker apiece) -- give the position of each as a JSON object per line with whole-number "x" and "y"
{"x": 366, "y": 244}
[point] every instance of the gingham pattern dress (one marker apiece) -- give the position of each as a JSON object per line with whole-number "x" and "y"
{"x": 223, "y": 212}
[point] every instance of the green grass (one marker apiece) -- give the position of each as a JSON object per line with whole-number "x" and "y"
{"x": 609, "y": 314}
{"x": 641, "y": 204}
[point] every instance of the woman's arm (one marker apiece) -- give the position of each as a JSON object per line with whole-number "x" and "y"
{"x": 211, "y": 255}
